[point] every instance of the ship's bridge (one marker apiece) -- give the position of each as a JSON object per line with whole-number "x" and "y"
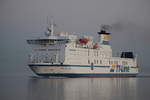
{"x": 50, "y": 40}
{"x": 47, "y": 50}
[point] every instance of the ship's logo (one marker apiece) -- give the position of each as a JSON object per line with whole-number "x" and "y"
{"x": 119, "y": 68}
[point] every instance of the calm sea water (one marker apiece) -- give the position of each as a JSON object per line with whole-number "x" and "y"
{"x": 35, "y": 88}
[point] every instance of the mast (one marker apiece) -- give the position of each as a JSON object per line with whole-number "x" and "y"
{"x": 50, "y": 28}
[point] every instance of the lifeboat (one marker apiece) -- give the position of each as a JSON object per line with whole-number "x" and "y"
{"x": 84, "y": 41}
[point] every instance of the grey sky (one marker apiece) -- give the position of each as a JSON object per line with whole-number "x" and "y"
{"x": 19, "y": 19}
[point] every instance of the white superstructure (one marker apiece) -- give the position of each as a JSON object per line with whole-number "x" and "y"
{"x": 67, "y": 54}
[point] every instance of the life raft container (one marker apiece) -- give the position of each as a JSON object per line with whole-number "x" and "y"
{"x": 84, "y": 41}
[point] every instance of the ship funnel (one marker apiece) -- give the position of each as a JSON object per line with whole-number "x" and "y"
{"x": 103, "y": 35}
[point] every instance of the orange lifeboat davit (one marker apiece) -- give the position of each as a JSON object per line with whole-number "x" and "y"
{"x": 84, "y": 41}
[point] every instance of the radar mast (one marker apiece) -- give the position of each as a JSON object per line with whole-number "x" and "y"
{"x": 50, "y": 28}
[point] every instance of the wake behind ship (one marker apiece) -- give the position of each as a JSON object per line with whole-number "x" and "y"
{"x": 72, "y": 55}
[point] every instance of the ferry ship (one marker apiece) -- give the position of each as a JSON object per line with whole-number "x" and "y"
{"x": 72, "y": 55}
